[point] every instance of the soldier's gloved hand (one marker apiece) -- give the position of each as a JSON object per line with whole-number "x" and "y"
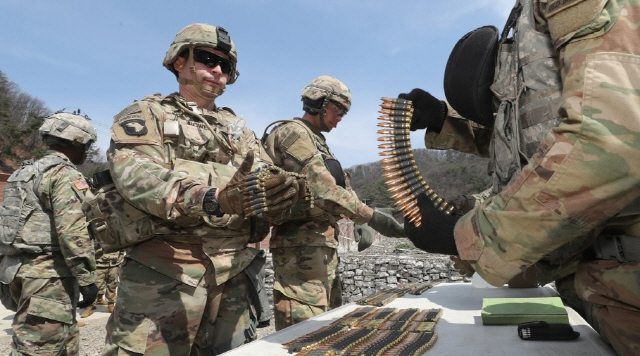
{"x": 252, "y": 193}
{"x": 428, "y": 111}
{"x": 89, "y": 294}
{"x": 386, "y": 225}
{"x": 463, "y": 203}
{"x": 363, "y": 235}
{"x": 435, "y": 233}
{"x": 463, "y": 267}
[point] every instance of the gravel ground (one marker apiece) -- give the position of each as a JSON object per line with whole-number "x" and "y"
{"x": 92, "y": 335}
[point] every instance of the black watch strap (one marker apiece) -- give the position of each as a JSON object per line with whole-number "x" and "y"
{"x": 210, "y": 204}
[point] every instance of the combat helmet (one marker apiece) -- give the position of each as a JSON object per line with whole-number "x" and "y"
{"x": 69, "y": 127}
{"x": 323, "y": 89}
{"x": 202, "y": 35}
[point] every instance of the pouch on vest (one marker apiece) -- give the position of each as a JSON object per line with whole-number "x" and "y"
{"x": 113, "y": 222}
{"x": 10, "y": 222}
{"x": 335, "y": 168}
{"x": 469, "y": 75}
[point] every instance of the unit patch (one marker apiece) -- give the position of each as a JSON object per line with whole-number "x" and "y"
{"x": 134, "y": 127}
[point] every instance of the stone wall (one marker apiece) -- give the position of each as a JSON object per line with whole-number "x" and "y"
{"x": 364, "y": 275}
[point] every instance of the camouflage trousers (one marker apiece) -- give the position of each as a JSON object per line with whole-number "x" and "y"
{"x": 45, "y": 322}
{"x": 307, "y": 283}
{"x": 612, "y": 292}
{"x": 107, "y": 282}
{"x": 158, "y": 315}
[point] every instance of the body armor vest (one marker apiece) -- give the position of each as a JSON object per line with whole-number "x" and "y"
{"x": 209, "y": 152}
{"x": 24, "y": 225}
{"x": 528, "y": 89}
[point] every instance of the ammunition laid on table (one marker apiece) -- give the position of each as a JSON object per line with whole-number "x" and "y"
{"x": 399, "y": 169}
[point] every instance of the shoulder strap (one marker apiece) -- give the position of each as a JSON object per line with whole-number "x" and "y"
{"x": 511, "y": 20}
{"x": 265, "y": 134}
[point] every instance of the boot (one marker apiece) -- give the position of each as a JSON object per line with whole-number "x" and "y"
{"x": 110, "y": 308}
{"x": 81, "y": 323}
{"x": 100, "y": 301}
{"x": 87, "y": 312}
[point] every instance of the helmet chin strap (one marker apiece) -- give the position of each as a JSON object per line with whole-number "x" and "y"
{"x": 205, "y": 91}
{"x": 323, "y": 111}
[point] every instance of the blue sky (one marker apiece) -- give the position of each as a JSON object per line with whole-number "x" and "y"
{"x": 99, "y": 56}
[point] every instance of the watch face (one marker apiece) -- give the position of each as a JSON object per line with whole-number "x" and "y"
{"x": 211, "y": 205}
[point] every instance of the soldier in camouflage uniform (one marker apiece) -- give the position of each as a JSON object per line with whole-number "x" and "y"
{"x": 304, "y": 248}
{"x": 47, "y": 261}
{"x": 583, "y": 182}
{"x": 107, "y": 267}
{"x": 178, "y": 159}
{"x": 525, "y": 93}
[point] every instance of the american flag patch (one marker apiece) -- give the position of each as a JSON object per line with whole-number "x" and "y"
{"x": 81, "y": 184}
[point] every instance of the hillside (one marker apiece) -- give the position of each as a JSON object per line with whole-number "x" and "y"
{"x": 449, "y": 173}
{"x": 21, "y": 115}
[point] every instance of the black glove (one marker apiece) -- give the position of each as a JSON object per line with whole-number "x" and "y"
{"x": 428, "y": 112}
{"x": 386, "y": 224}
{"x": 435, "y": 234}
{"x": 363, "y": 234}
{"x": 89, "y": 294}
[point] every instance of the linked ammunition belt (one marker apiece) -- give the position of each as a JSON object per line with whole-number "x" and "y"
{"x": 385, "y": 297}
{"x": 315, "y": 338}
{"x": 379, "y": 343}
{"x": 255, "y": 195}
{"x": 372, "y": 331}
{"x": 399, "y": 168}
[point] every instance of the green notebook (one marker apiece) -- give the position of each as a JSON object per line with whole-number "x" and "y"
{"x": 513, "y": 311}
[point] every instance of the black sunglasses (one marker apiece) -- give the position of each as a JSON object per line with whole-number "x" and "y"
{"x": 211, "y": 60}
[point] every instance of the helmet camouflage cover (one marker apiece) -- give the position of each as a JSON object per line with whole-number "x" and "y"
{"x": 202, "y": 35}
{"x": 73, "y": 128}
{"x": 328, "y": 87}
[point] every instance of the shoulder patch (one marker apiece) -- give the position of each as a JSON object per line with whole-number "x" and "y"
{"x": 301, "y": 148}
{"x": 81, "y": 184}
{"x": 565, "y": 17}
{"x": 138, "y": 124}
{"x": 131, "y": 109}
{"x": 134, "y": 126}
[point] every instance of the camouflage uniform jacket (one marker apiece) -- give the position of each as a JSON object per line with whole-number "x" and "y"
{"x": 61, "y": 191}
{"x": 586, "y": 176}
{"x": 165, "y": 155}
{"x": 296, "y": 146}
{"x": 527, "y": 91}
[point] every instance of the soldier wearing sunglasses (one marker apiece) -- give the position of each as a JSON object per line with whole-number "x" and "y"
{"x": 189, "y": 284}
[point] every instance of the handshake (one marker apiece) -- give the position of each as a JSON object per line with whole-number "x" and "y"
{"x": 265, "y": 193}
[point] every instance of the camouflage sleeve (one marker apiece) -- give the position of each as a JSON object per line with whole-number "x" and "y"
{"x": 68, "y": 187}
{"x": 330, "y": 196}
{"x": 589, "y": 171}
{"x": 460, "y": 134}
{"x": 138, "y": 166}
{"x": 250, "y": 142}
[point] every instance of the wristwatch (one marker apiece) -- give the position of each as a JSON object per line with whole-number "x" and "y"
{"x": 210, "y": 204}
